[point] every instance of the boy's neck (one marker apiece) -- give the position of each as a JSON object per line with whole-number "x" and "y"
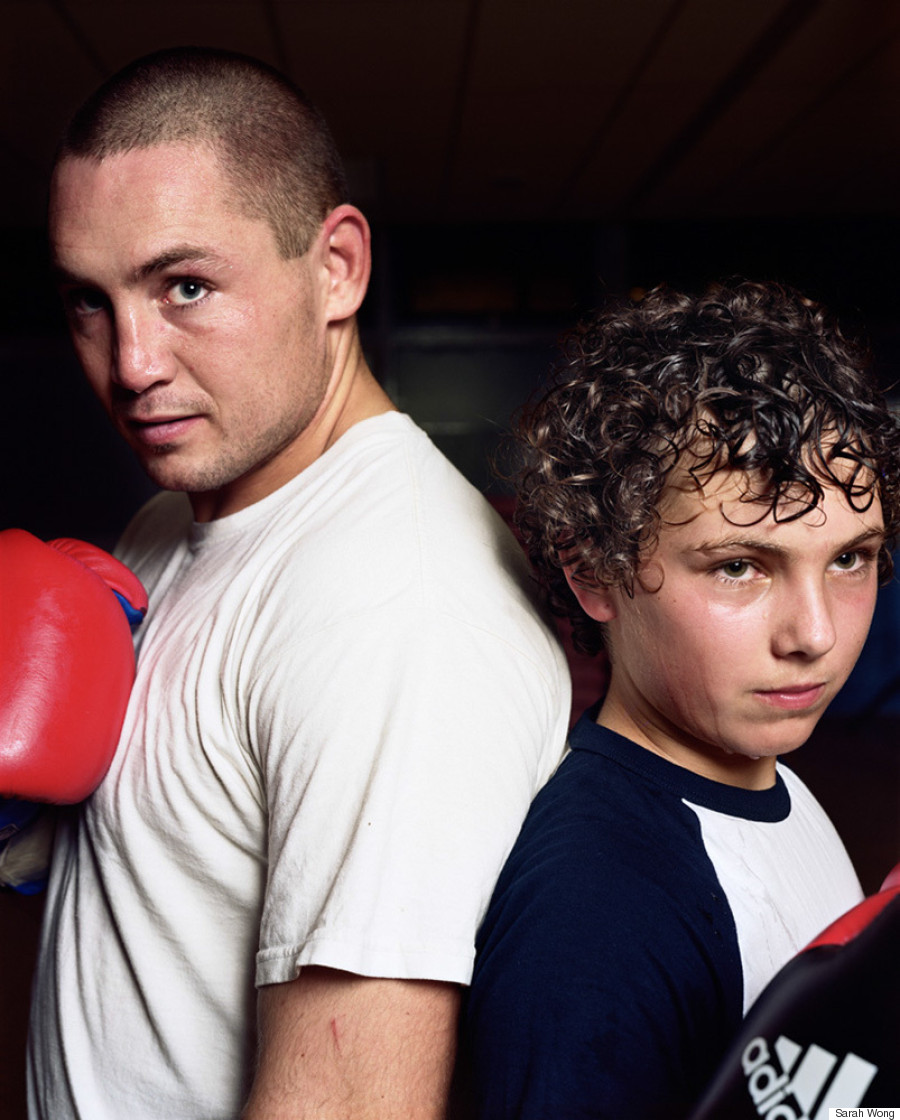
{"x": 709, "y": 760}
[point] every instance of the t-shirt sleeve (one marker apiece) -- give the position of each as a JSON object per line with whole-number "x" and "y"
{"x": 599, "y": 990}
{"x": 399, "y": 752}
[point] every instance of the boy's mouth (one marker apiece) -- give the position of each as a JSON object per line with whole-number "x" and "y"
{"x": 793, "y": 697}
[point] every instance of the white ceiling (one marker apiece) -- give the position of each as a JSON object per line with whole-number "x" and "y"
{"x": 482, "y": 110}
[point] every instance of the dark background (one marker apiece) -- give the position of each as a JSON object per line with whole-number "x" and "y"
{"x": 518, "y": 159}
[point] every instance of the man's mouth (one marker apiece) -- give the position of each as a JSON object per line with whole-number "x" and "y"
{"x": 156, "y": 431}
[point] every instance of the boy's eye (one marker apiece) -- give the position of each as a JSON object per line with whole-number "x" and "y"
{"x": 736, "y": 568}
{"x": 187, "y": 291}
{"x": 847, "y": 561}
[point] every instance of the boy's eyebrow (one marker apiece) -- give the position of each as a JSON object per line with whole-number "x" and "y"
{"x": 753, "y": 544}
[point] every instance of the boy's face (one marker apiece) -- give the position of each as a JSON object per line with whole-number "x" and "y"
{"x": 740, "y": 631}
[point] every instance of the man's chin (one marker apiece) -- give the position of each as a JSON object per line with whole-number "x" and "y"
{"x": 164, "y": 472}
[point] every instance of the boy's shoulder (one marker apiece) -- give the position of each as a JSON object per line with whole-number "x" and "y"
{"x": 607, "y": 919}
{"x": 605, "y": 834}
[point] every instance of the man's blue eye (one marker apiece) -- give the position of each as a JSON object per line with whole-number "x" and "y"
{"x": 188, "y": 291}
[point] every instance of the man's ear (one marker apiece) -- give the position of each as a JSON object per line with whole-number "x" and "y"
{"x": 596, "y": 600}
{"x": 347, "y": 257}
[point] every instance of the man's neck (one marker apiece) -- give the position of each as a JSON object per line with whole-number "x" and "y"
{"x": 352, "y": 395}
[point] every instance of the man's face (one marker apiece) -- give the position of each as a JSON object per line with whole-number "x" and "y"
{"x": 207, "y": 349}
{"x": 740, "y": 631}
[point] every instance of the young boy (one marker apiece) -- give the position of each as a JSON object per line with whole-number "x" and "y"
{"x": 711, "y": 494}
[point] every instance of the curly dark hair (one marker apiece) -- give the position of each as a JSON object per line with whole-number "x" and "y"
{"x": 751, "y": 376}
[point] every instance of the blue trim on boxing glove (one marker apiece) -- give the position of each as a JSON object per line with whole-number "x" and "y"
{"x": 34, "y": 887}
{"x": 134, "y": 616}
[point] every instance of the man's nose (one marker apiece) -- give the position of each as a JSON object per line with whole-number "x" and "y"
{"x": 804, "y": 624}
{"x": 140, "y": 355}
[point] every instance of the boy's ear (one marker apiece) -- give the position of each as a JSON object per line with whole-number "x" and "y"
{"x": 596, "y": 600}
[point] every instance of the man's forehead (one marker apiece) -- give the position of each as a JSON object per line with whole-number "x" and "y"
{"x": 170, "y": 162}
{"x": 186, "y": 175}
{"x": 146, "y": 199}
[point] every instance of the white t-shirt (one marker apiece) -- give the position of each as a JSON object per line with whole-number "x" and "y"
{"x": 344, "y": 704}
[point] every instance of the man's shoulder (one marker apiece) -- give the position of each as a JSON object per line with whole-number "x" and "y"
{"x": 385, "y": 514}
{"x": 396, "y": 463}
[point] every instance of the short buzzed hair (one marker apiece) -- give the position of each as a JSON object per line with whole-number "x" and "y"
{"x": 274, "y": 145}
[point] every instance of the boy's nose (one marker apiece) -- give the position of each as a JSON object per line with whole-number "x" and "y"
{"x": 804, "y": 623}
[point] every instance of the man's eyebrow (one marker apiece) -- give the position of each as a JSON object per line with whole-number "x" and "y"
{"x": 63, "y": 275}
{"x": 177, "y": 255}
{"x": 754, "y": 544}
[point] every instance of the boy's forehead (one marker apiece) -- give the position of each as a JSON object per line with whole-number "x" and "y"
{"x": 730, "y": 500}
{"x": 687, "y": 495}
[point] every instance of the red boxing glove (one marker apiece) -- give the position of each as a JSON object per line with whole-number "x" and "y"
{"x": 66, "y": 664}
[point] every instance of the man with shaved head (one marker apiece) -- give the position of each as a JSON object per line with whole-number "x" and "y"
{"x": 345, "y": 699}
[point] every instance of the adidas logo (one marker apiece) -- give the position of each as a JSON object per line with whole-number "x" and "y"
{"x": 802, "y": 1088}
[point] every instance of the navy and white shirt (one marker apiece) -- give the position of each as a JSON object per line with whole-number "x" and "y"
{"x": 640, "y": 913}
